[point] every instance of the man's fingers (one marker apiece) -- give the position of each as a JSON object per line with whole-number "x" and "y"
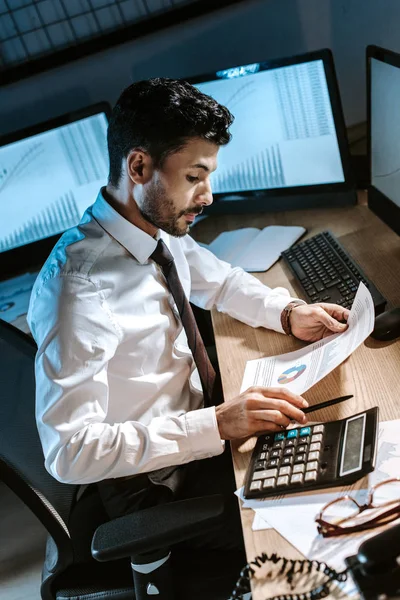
{"x": 330, "y": 322}
{"x": 274, "y": 416}
{"x": 284, "y": 394}
{"x": 267, "y": 405}
{"x": 336, "y": 311}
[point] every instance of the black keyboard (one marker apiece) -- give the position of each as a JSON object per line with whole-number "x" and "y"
{"x": 327, "y": 273}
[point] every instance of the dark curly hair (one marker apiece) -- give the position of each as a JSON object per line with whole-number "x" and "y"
{"x": 159, "y": 116}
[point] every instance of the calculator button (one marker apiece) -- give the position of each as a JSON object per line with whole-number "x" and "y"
{"x": 318, "y": 429}
{"x": 305, "y": 431}
{"x": 273, "y": 463}
{"x": 286, "y": 460}
{"x": 284, "y": 471}
{"x": 316, "y": 438}
{"x": 301, "y": 449}
{"x": 263, "y": 455}
{"x": 255, "y": 485}
{"x": 279, "y": 436}
{"x": 297, "y": 478}
{"x": 284, "y": 480}
{"x": 277, "y": 445}
{"x": 265, "y": 474}
{"x": 315, "y": 446}
{"x": 275, "y": 454}
{"x": 311, "y": 476}
{"x": 298, "y": 469}
{"x": 268, "y": 483}
{"x": 292, "y": 433}
{"x": 288, "y": 451}
{"x": 312, "y": 466}
{"x": 290, "y": 443}
{"x": 313, "y": 455}
{"x": 300, "y": 458}
{"x": 260, "y": 465}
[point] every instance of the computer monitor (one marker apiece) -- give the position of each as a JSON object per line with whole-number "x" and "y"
{"x": 49, "y": 174}
{"x": 289, "y": 147}
{"x": 383, "y": 107}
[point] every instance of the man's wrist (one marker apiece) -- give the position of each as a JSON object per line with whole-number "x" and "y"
{"x": 285, "y": 316}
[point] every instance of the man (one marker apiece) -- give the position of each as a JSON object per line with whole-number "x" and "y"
{"x": 119, "y": 399}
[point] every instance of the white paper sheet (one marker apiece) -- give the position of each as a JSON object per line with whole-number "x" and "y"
{"x": 259, "y": 523}
{"x": 300, "y": 370}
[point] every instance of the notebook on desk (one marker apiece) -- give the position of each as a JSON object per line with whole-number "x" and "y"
{"x": 255, "y": 249}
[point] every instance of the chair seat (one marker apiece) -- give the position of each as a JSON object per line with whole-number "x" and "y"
{"x": 96, "y": 581}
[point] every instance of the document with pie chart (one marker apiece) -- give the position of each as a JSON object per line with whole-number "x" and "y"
{"x": 298, "y": 371}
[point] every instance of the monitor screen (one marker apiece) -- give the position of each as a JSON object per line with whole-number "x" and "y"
{"x": 47, "y": 180}
{"x": 384, "y": 134}
{"x": 284, "y": 133}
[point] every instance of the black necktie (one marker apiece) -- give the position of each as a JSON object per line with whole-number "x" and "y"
{"x": 163, "y": 257}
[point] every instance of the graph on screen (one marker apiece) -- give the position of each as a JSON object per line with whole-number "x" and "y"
{"x": 283, "y": 134}
{"x": 48, "y": 180}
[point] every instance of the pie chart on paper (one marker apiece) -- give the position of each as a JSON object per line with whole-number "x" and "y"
{"x": 291, "y": 374}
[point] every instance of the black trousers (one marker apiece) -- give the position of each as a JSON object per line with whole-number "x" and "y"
{"x": 199, "y": 478}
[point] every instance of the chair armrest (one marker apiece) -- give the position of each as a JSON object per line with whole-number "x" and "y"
{"x": 156, "y": 527}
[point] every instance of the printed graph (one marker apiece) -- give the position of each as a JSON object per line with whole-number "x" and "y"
{"x": 57, "y": 217}
{"x": 262, "y": 171}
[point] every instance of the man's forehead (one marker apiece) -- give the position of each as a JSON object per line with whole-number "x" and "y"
{"x": 200, "y": 154}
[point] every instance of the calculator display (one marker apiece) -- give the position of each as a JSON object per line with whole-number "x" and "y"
{"x": 353, "y": 445}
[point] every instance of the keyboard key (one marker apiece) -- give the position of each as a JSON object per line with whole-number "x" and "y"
{"x": 313, "y": 455}
{"x": 316, "y": 438}
{"x": 299, "y": 458}
{"x": 301, "y": 449}
{"x": 268, "y": 483}
{"x": 318, "y": 428}
{"x": 284, "y": 471}
{"x": 305, "y": 431}
{"x": 299, "y": 468}
{"x": 315, "y": 447}
{"x": 275, "y": 454}
{"x": 311, "y": 476}
{"x": 260, "y": 465}
{"x": 292, "y": 433}
{"x": 284, "y": 480}
{"x": 297, "y": 478}
{"x": 312, "y": 466}
{"x": 255, "y": 485}
{"x": 265, "y": 474}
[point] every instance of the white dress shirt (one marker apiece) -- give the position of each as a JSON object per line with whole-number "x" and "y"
{"x": 117, "y": 387}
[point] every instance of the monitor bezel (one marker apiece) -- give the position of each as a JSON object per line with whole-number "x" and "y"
{"x": 31, "y": 256}
{"x": 378, "y": 202}
{"x": 297, "y": 196}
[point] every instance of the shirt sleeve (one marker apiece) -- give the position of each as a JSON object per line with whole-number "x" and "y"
{"x": 215, "y": 283}
{"x": 77, "y": 337}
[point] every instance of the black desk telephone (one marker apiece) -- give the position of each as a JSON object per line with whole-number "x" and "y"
{"x": 375, "y": 568}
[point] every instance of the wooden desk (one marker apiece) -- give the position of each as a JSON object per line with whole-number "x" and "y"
{"x": 371, "y": 373}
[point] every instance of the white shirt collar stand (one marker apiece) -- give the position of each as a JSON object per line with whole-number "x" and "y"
{"x": 139, "y": 243}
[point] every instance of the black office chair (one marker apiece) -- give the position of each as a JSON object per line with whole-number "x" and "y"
{"x": 78, "y": 529}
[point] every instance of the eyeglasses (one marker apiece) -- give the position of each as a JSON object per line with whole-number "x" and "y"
{"x": 346, "y": 515}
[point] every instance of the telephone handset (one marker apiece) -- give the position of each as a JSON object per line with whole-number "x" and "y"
{"x": 375, "y": 568}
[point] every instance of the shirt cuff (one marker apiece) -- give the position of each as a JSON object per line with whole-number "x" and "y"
{"x": 275, "y": 305}
{"x": 203, "y": 433}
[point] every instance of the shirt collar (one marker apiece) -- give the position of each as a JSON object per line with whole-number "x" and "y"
{"x": 139, "y": 243}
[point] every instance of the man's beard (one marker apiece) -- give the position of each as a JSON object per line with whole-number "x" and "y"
{"x": 159, "y": 210}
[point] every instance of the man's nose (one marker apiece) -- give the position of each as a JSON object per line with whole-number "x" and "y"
{"x": 205, "y": 196}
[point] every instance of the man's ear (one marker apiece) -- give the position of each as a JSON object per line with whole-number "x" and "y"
{"x": 139, "y": 166}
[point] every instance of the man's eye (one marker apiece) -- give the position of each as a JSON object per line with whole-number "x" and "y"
{"x": 191, "y": 179}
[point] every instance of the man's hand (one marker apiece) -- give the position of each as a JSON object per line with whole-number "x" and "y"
{"x": 257, "y": 410}
{"x": 312, "y": 322}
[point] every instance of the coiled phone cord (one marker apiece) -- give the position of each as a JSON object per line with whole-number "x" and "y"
{"x": 290, "y": 568}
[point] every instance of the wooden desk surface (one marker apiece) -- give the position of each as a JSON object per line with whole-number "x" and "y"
{"x": 371, "y": 373}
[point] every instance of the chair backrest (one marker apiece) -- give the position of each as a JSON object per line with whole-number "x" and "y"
{"x": 21, "y": 456}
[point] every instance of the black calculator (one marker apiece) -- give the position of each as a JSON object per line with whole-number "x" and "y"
{"x": 316, "y": 456}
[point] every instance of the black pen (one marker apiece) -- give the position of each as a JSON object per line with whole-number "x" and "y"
{"x": 326, "y": 404}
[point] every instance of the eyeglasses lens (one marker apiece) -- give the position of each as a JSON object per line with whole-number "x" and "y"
{"x": 343, "y": 510}
{"x": 387, "y": 493}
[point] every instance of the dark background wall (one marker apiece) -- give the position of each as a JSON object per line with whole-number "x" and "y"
{"x": 249, "y": 32}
